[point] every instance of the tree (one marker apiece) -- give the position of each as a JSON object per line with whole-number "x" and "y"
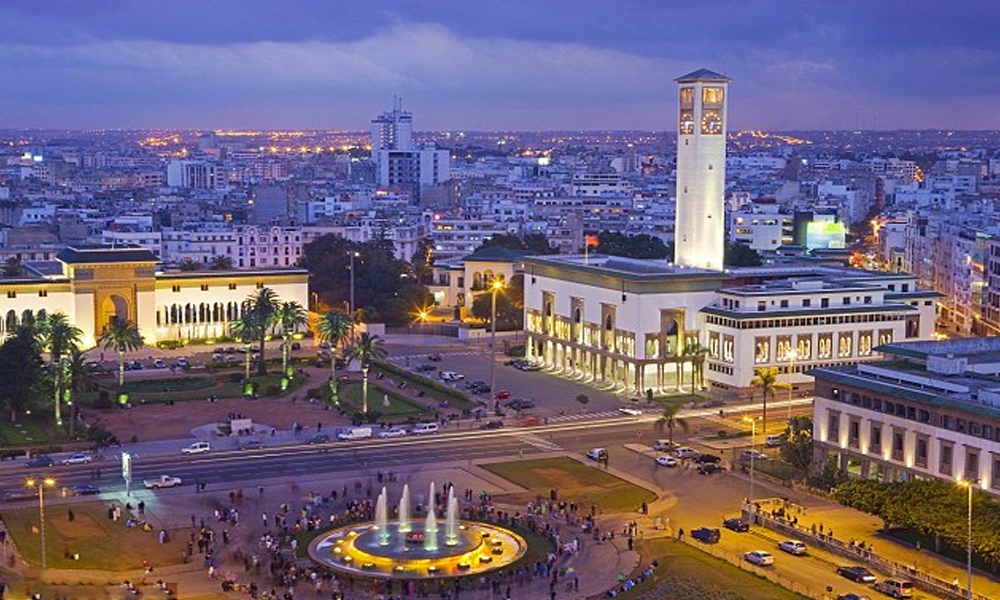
{"x": 221, "y": 262}
{"x": 334, "y": 328}
{"x": 738, "y": 254}
{"x": 510, "y": 305}
{"x": 121, "y": 335}
{"x": 291, "y": 315}
{"x": 694, "y": 353}
{"x": 669, "y": 419}
{"x": 797, "y": 443}
{"x": 81, "y": 378}
{"x": 583, "y": 399}
{"x": 766, "y": 379}
{"x": 59, "y": 338}
{"x": 535, "y": 243}
{"x": 642, "y": 245}
{"x": 246, "y": 329}
{"x": 263, "y": 306}
{"x": 13, "y": 267}
{"x": 188, "y": 265}
{"x": 423, "y": 260}
{"x": 368, "y": 348}
{"x": 20, "y": 370}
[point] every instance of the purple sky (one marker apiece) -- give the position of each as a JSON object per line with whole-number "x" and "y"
{"x": 489, "y": 64}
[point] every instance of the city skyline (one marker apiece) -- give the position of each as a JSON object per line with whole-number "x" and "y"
{"x": 574, "y": 66}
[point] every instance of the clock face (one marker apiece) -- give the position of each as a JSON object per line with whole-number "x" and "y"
{"x": 711, "y": 123}
{"x": 687, "y": 122}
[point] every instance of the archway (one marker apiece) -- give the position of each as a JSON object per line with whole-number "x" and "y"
{"x": 114, "y": 308}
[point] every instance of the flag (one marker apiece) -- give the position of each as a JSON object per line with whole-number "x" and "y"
{"x": 591, "y": 239}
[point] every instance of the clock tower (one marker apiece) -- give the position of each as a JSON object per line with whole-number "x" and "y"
{"x": 700, "y": 225}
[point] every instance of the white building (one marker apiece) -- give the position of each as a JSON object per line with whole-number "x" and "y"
{"x": 763, "y": 226}
{"x": 194, "y": 174}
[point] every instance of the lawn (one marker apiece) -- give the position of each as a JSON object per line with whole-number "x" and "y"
{"x": 26, "y": 431}
{"x": 574, "y": 481}
{"x": 173, "y": 384}
{"x": 685, "y": 573}
{"x": 399, "y": 406}
{"x": 413, "y": 381}
{"x": 102, "y": 544}
{"x": 192, "y": 387}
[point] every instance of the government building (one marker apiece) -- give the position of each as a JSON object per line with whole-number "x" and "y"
{"x": 93, "y": 286}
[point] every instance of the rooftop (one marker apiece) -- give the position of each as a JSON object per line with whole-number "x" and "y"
{"x": 101, "y": 254}
{"x": 625, "y": 268}
{"x": 702, "y": 75}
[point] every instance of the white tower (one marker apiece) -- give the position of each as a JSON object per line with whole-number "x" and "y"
{"x": 700, "y": 229}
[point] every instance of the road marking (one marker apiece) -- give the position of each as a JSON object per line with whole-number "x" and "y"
{"x": 537, "y": 441}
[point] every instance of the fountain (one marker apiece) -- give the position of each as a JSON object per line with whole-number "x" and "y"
{"x": 412, "y": 549}
{"x": 382, "y": 519}
{"x": 404, "y": 510}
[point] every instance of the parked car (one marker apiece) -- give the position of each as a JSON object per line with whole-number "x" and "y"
{"x": 296, "y": 346}
{"x": 163, "y": 481}
{"x": 252, "y": 445}
{"x": 856, "y": 573}
{"x": 897, "y": 588}
{"x": 686, "y": 452}
{"x": 705, "y": 459}
{"x": 530, "y": 366}
{"x": 319, "y": 438}
{"x": 434, "y": 357}
{"x": 852, "y": 596}
{"x": 425, "y": 368}
{"x": 183, "y": 363}
{"x": 737, "y": 524}
{"x": 217, "y": 357}
{"x": 77, "y": 459}
{"x": 136, "y": 365}
{"x": 451, "y": 376}
{"x": 520, "y": 403}
{"x": 752, "y": 455}
{"x": 503, "y": 395}
{"x": 84, "y": 490}
{"x": 494, "y": 424}
{"x": 761, "y": 558}
{"x": 42, "y": 460}
{"x": 664, "y": 445}
{"x": 667, "y": 461}
{"x": 197, "y": 448}
{"x": 711, "y": 469}
{"x": 424, "y": 428}
{"x": 707, "y": 535}
{"x": 597, "y": 454}
{"x": 629, "y": 410}
{"x": 159, "y": 364}
{"x": 793, "y": 547}
{"x": 392, "y": 432}
{"x": 772, "y": 441}
{"x": 355, "y": 433}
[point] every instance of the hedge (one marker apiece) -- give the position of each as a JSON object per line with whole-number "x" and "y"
{"x": 420, "y": 379}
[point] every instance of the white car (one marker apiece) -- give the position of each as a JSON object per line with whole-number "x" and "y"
{"x": 77, "y": 459}
{"x": 597, "y": 454}
{"x": 760, "y": 558}
{"x": 667, "y": 461}
{"x": 686, "y": 452}
{"x": 748, "y": 455}
{"x": 197, "y": 448}
{"x": 792, "y": 547}
{"x": 628, "y": 410}
{"x": 182, "y": 362}
{"x": 663, "y": 445}
{"x": 451, "y": 376}
{"x": 392, "y": 432}
{"x": 163, "y": 481}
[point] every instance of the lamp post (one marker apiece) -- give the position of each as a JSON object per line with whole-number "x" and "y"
{"x": 353, "y": 255}
{"x": 968, "y": 484}
{"x": 495, "y": 287}
{"x": 791, "y": 355}
{"x": 40, "y": 484}
{"x": 753, "y": 453}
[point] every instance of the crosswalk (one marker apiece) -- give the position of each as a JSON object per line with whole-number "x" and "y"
{"x": 607, "y": 414}
{"x": 402, "y": 358}
{"x": 537, "y": 441}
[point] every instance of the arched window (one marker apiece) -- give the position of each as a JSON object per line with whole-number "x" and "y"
{"x": 608, "y": 323}
{"x": 187, "y": 313}
{"x": 11, "y": 321}
{"x": 576, "y": 316}
{"x": 42, "y": 314}
{"x": 27, "y": 317}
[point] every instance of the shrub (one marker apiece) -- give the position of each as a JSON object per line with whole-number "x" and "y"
{"x": 170, "y": 344}
{"x": 272, "y": 390}
{"x": 420, "y": 379}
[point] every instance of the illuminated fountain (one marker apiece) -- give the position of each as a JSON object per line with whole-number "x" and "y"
{"x": 410, "y": 547}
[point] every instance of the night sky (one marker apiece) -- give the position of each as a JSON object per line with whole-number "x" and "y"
{"x": 498, "y": 64}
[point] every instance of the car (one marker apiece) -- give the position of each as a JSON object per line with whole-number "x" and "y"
{"x": 856, "y": 573}
{"x": 218, "y": 357}
{"x": 711, "y": 469}
{"x": 761, "y": 558}
{"x": 664, "y": 445}
{"x": 520, "y": 403}
{"x": 197, "y": 448}
{"x": 424, "y": 428}
{"x": 136, "y": 365}
{"x": 737, "y": 524}
{"x": 494, "y": 424}
{"x": 793, "y": 547}
{"x": 324, "y": 345}
{"x": 425, "y": 368}
{"x": 707, "y": 459}
{"x": 772, "y": 441}
{"x": 163, "y": 481}
{"x": 159, "y": 364}
{"x": 628, "y": 410}
{"x": 597, "y": 454}
{"x": 852, "y": 596}
{"x": 231, "y": 359}
{"x": 752, "y": 455}
{"x": 451, "y": 376}
{"x": 897, "y": 588}
{"x": 503, "y": 395}
{"x": 77, "y": 459}
{"x": 252, "y": 445}
{"x": 296, "y": 346}
{"x": 392, "y": 432}
{"x": 85, "y": 490}
{"x": 686, "y": 452}
{"x": 43, "y": 460}
{"x": 531, "y": 366}
{"x": 667, "y": 461}
{"x": 183, "y": 363}
{"x": 319, "y": 438}
{"x": 707, "y": 535}
{"x": 230, "y": 350}
{"x": 434, "y": 357}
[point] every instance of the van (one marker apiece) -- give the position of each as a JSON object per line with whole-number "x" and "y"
{"x": 423, "y": 428}
{"x": 896, "y": 588}
{"x": 772, "y": 441}
{"x": 355, "y": 433}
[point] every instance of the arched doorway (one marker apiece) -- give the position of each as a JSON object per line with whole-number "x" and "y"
{"x": 114, "y": 307}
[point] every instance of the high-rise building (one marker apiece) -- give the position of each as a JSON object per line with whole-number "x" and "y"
{"x": 393, "y": 130}
{"x": 701, "y": 170}
{"x": 401, "y": 164}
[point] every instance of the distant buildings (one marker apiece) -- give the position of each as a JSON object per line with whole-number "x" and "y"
{"x": 399, "y": 162}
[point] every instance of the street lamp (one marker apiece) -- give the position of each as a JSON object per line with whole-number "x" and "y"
{"x": 353, "y": 255}
{"x": 495, "y": 287}
{"x": 791, "y": 355}
{"x": 753, "y": 454}
{"x": 968, "y": 484}
{"x": 40, "y": 484}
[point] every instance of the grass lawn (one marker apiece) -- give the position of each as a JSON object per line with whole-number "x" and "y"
{"x": 685, "y": 573}
{"x": 436, "y": 395}
{"x": 399, "y": 406}
{"x": 173, "y": 384}
{"x": 192, "y": 387}
{"x": 102, "y": 544}
{"x": 576, "y": 482}
{"x": 27, "y": 430}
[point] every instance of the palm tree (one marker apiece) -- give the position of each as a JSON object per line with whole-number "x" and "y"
{"x": 334, "y": 328}
{"x": 767, "y": 380}
{"x": 368, "y": 348}
{"x": 669, "y": 419}
{"x": 81, "y": 378}
{"x": 13, "y": 267}
{"x": 263, "y": 306}
{"x": 290, "y": 316}
{"x": 58, "y": 337}
{"x": 245, "y": 328}
{"x": 221, "y": 263}
{"x": 695, "y": 354}
{"x": 121, "y": 335}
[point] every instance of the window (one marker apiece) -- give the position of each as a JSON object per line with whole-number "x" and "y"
{"x": 854, "y": 433}
{"x": 784, "y": 304}
{"x": 897, "y": 444}
{"x": 971, "y": 464}
{"x": 12, "y": 294}
{"x": 806, "y": 302}
{"x": 847, "y": 300}
{"x": 260, "y": 285}
{"x": 921, "y": 457}
{"x": 876, "y": 437}
{"x": 204, "y": 287}
{"x": 43, "y": 293}
{"x": 232, "y": 286}
{"x": 824, "y": 303}
{"x": 175, "y": 288}
{"x": 833, "y": 427}
{"x": 946, "y": 451}
{"x": 995, "y": 479}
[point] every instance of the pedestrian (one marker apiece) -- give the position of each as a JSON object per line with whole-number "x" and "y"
{"x": 680, "y": 533}
{"x": 70, "y": 515}
{"x": 142, "y": 507}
